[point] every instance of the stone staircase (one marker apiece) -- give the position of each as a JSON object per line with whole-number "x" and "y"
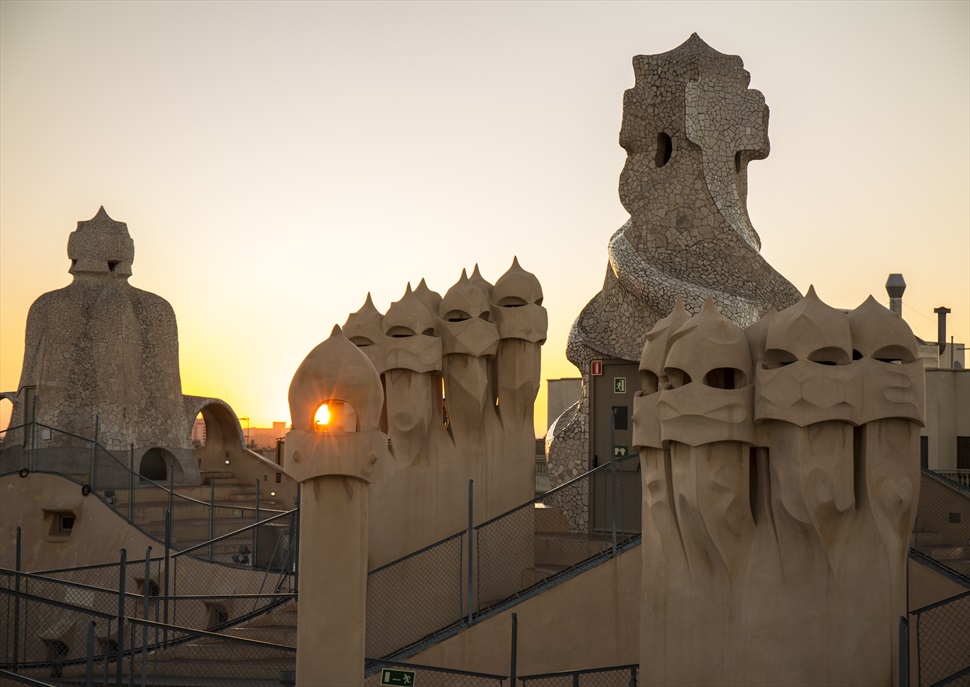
{"x": 234, "y": 508}
{"x": 940, "y": 547}
{"x": 556, "y": 547}
{"x": 210, "y": 658}
{"x": 942, "y": 530}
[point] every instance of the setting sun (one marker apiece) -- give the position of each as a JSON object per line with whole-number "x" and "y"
{"x": 322, "y": 417}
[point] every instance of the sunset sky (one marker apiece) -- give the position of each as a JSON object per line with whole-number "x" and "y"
{"x": 276, "y": 161}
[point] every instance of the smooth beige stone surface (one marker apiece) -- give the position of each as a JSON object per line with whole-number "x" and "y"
{"x": 333, "y": 590}
{"x": 335, "y": 463}
{"x": 586, "y": 622}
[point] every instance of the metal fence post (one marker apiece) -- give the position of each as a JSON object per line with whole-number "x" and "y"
{"x": 119, "y": 668}
{"x": 169, "y": 585}
{"x": 33, "y": 436}
{"x": 89, "y": 664}
{"x": 212, "y": 513}
{"x": 94, "y": 452}
{"x": 256, "y": 528}
{"x": 296, "y": 546}
{"x": 144, "y": 612}
{"x": 16, "y": 604}
{"x": 515, "y": 649}
{"x": 131, "y": 483}
{"x": 471, "y": 532}
{"x": 613, "y": 475}
{"x": 903, "y": 652}
{"x": 171, "y": 489}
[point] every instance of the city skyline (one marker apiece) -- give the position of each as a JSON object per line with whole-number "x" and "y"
{"x": 277, "y": 162}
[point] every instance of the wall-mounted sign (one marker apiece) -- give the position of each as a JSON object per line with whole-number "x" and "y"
{"x": 397, "y": 677}
{"x": 619, "y": 385}
{"x": 596, "y": 367}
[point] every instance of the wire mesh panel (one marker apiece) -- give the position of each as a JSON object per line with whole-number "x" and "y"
{"x": 212, "y": 659}
{"x": 45, "y": 638}
{"x": 415, "y": 597}
{"x": 619, "y": 676}
{"x": 245, "y": 591}
{"x": 387, "y": 673}
{"x": 105, "y": 576}
{"x": 557, "y": 532}
{"x": 942, "y": 529}
{"x": 14, "y": 447}
{"x": 504, "y": 552}
{"x": 943, "y": 640}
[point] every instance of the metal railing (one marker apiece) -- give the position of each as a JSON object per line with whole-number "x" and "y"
{"x": 144, "y": 502}
{"x": 168, "y": 589}
{"x": 616, "y": 676}
{"x": 491, "y": 565}
{"x": 961, "y": 477}
{"x": 942, "y": 529}
{"x": 942, "y": 632}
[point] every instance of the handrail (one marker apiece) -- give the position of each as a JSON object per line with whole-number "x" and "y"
{"x": 61, "y": 604}
{"x": 123, "y": 464}
{"x": 946, "y": 481}
{"x": 584, "y": 671}
{"x": 939, "y": 566}
{"x": 538, "y": 499}
{"x": 71, "y": 583}
{"x": 552, "y": 492}
{"x": 232, "y": 534}
{"x": 17, "y": 677}
{"x": 206, "y": 633}
{"x": 942, "y": 602}
{"x": 94, "y": 566}
{"x": 430, "y": 546}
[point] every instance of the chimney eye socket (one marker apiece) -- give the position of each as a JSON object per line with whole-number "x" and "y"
{"x": 665, "y": 149}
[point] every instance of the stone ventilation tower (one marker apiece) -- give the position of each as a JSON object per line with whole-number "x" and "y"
{"x": 780, "y": 478}
{"x": 460, "y": 373}
{"x": 690, "y": 128}
{"x": 102, "y": 356}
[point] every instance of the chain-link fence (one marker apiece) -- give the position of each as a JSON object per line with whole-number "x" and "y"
{"x": 617, "y": 676}
{"x": 509, "y": 555}
{"x": 44, "y": 637}
{"x": 960, "y": 476}
{"x": 942, "y": 529}
{"x": 943, "y": 642}
{"x": 416, "y": 597}
{"x": 43, "y": 615}
{"x": 218, "y": 514}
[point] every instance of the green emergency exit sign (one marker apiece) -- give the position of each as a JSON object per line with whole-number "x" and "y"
{"x": 397, "y": 677}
